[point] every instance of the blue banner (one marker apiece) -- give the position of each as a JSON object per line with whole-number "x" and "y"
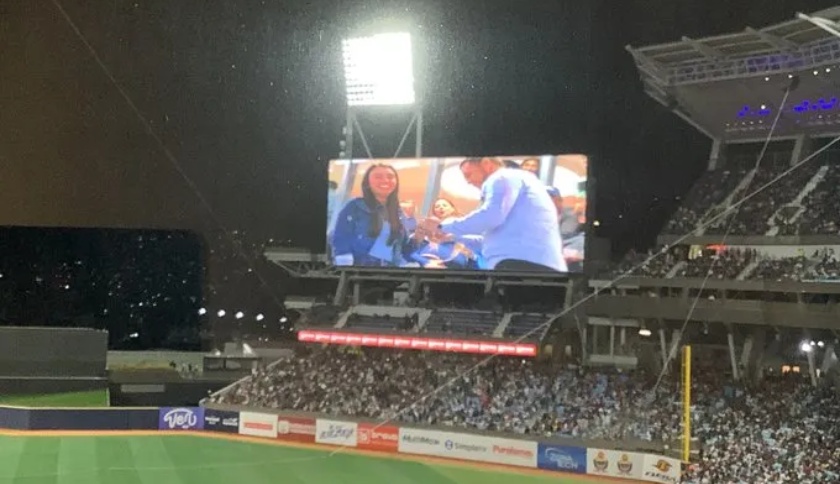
{"x": 561, "y": 458}
{"x": 181, "y": 418}
{"x": 221, "y": 421}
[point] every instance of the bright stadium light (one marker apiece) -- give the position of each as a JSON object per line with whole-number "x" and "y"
{"x": 240, "y": 315}
{"x": 221, "y": 313}
{"x": 806, "y": 347}
{"x": 202, "y": 312}
{"x": 260, "y": 317}
{"x": 378, "y": 70}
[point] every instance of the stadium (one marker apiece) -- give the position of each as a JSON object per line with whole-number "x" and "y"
{"x": 465, "y": 325}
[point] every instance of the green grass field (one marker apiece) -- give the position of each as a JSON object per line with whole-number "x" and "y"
{"x": 188, "y": 459}
{"x": 94, "y": 398}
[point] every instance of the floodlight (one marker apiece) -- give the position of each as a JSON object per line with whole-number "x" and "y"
{"x": 644, "y": 332}
{"x": 202, "y": 312}
{"x": 378, "y": 70}
{"x": 240, "y": 315}
{"x": 221, "y": 313}
{"x": 806, "y": 347}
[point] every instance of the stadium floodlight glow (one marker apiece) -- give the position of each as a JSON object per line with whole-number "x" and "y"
{"x": 644, "y": 332}
{"x": 806, "y": 347}
{"x": 240, "y": 315}
{"x": 202, "y": 312}
{"x": 284, "y": 319}
{"x": 221, "y": 313}
{"x": 260, "y": 317}
{"x": 378, "y": 70}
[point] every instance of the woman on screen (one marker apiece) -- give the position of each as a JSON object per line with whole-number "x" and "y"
{"x": 463, "y": 254}
{"x": 371, "y": 230}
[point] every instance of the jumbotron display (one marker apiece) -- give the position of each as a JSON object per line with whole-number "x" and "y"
{"x": 518, "y": 214}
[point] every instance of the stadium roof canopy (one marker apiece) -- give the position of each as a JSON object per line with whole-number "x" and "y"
{"x": 730, "y": 87}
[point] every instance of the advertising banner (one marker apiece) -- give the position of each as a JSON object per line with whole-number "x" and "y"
{"x": 333, "y": 432}
{"x": 382, "y": 438}
{"x": 221, "y": 421}
{"x": 468, "y": 447}
{"x": 258, "y": 424}
{"x": 662, "y": 469}
{"x": 612, "y": 463}
{"x": 296, "y": 429}
{"x": 561, "y": 458}
{"x": 181, "y": 418}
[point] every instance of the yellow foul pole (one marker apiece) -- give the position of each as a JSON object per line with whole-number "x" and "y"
{"x": 686, "y": 384}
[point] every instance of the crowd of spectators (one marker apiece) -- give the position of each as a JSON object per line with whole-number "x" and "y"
{"x": 754, "y": 215}
{"x": 821, "y": 214}
{"x": 822, "y": 265}
{"x": 725, "y": 264}
{"x": 712, "y": 188}
{"x": 819, "y": 209}
{"x": 782, "y": 430}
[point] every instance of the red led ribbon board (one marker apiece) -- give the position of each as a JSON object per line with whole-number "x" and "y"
{"x": 419, "y": 343}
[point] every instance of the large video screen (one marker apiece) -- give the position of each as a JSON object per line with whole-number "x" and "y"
{"x": 517, "y": 214}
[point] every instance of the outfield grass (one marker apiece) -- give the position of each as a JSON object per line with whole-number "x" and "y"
{"x": 187, "y": 459}
{"x": 94, "y": 398}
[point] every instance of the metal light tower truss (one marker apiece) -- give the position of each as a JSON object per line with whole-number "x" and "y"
{"x": 379, "y": 72}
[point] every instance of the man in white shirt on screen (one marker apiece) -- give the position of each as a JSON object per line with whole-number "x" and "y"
{"x": 516, "y": 218}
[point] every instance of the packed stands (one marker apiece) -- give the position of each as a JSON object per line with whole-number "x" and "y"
{"x": 779, "y": 430}
{"x": 727, "y": 264}
{"x": 821, "y": 208}
{"x": 712, "y": 188}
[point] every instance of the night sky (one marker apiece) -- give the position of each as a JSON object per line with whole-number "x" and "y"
{"x": 248, "y": 98}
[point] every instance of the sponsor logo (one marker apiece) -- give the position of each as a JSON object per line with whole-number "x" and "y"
{"x": 230, "y": 422}
{"x": 336, "y": 432}
{"x": 600, "y": 462}
{"x": 181, "y": 418}
{"x": 625, "y": 465}
{"x": 416, "y": 439}
{"x": 367, "y": 436}
{"x": 221, "y": 421}
{"x": 560, "y": 459}
{"x": 513, "y": 451}
{"x": 258, "y": 426}
{"x": 660, "y": 472}
{"x": 286, "y": 427}
{"x": 457, "y": 446}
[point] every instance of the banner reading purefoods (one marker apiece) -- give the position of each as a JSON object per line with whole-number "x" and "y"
{"x": 661, "y": 469}
{"x": 468, "y": 447}
{"x": 561, "y": 458}
{"x": 333, "y": 432}
{"x": 612, "y": 463}
{"x": 181, "y": 418}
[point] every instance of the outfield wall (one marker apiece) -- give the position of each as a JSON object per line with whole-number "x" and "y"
{"x": 393, "y": 439}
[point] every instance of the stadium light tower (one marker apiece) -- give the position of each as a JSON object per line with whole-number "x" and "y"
{"x": 379, "y": 72}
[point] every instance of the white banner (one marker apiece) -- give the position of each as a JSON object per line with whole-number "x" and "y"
{"x": 468, "y": 447}
{"x": 662, "y": 469}
{"x": 613, "y": 463}
{"x": 334, "y": 432}
{"x": 258, "y": 424}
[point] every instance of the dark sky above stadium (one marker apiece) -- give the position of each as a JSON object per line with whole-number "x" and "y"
{"x": 247, "y": 96}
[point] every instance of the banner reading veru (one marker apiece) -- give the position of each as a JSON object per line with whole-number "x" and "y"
{"x": 181, "y": 418}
